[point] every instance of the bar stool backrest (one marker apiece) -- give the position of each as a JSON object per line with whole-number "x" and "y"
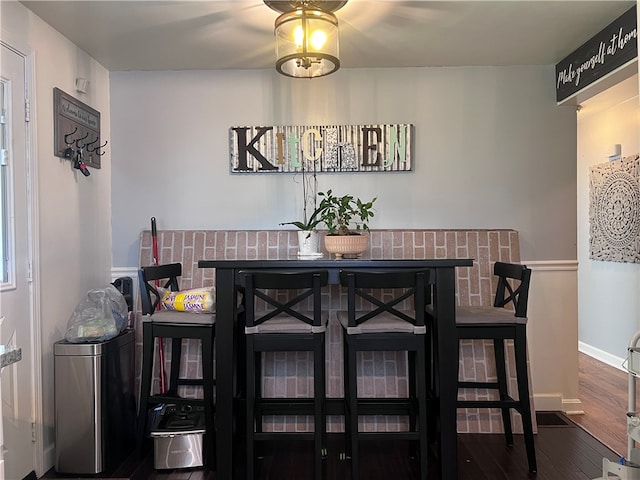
{"x": 402, "y": 285}
{"x": 149, "y": 293}
{"x": 513, "y": 286}
{"x": 264, "y": 285}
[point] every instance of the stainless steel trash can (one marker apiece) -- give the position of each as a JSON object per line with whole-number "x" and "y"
{"x": 95, "y": 404}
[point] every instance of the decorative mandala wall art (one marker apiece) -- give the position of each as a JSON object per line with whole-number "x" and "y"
{"x": 614, "y": 211}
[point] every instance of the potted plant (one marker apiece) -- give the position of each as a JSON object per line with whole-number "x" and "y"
{"x": 346, "y": 218}
{"x": 307, "y": 234}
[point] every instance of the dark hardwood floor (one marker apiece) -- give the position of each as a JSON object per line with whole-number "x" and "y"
{"x": 567, "y": 448}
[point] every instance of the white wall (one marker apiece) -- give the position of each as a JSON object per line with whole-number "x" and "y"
{"x": 492, "y": 149}
{"x": 74, "y": 212}
{"x": 608, "y": 294}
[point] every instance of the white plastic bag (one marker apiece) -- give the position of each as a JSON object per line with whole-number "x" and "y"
{"x": 102, "y": 315}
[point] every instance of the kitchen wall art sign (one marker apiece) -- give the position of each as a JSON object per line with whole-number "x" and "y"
{"x": 614, "y": 211}
{"x": 321, "y": 148}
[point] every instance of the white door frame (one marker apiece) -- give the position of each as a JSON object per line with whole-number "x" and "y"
{"x": 35, "y": 349}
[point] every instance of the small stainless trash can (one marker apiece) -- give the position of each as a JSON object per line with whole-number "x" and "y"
{"x": 95, "y": 404}
{"x": 177, "y": 437}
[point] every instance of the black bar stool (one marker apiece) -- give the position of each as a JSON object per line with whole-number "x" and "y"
{"x": 175, "y": 326}
{"x": 386, "y": 312}
{"x": 498, "y": 324}
{"x": 283, "y": 312}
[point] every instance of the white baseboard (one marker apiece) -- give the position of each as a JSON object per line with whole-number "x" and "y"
{"x": 602, "y": 356}
{"x": 556, "y": 403}
{"x": 547, "y": 402}
{"x": 49, "y": 455}
{"x": 572, "y": 406}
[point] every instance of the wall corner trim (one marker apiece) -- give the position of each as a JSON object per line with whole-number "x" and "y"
{"x": 551, "y": 265}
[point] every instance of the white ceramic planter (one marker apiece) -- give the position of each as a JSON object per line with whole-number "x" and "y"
{"x": 307, "y": 242}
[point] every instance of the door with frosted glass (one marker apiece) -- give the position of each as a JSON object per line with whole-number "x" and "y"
{"x": 15, "y": 283}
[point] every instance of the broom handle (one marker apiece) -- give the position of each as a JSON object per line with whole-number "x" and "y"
{"x": 154, "y": 242}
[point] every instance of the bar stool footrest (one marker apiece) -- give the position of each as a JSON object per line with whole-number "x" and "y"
{"x": 162, "y": 399}
{"x": 285, "y": 406}
{"x": 506, "y": 403}
{"x": 388, "y": 435}
{"x": 276, "y": 436}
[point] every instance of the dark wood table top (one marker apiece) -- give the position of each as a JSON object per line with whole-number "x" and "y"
{"x": 327, "y": 262}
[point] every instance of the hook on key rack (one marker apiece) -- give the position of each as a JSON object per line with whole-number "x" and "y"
{"x": 78, "y": 141}
{"x": 89, "y": 149}
{"x": 66, "y": 140}
{"x": 97, "y": 149}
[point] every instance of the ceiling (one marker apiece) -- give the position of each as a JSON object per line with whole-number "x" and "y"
{"x": 238, "y": 34}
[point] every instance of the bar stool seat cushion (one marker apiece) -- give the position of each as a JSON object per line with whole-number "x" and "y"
{"x": 383, "y": 323}
{"x": 284, "y": 323}
{"x": 181, "y": 318}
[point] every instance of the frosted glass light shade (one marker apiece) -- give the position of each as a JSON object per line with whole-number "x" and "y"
{"x": 307, "y": 43}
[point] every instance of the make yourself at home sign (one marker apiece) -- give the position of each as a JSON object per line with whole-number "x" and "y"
{"x": 321, "y": 148}
{"x": 615, "y": 46}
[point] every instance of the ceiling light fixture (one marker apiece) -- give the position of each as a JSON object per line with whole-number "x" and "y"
{"x": 307, "y": 40}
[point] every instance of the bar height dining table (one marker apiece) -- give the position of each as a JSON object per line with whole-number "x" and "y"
{"x": 443, "y": 278}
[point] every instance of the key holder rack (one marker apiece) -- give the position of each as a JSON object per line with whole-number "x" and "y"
{"x": 76, "y": 132}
